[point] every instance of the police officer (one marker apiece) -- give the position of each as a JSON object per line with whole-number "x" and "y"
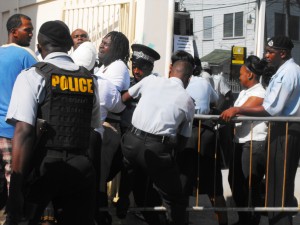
{"x": 142, "y": 63}
{"x": 65, "y": 95}
{"x": 159, "y": 127}
{"x": 282, "y": 99}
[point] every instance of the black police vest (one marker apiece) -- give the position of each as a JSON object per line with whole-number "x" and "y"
{"x": 67, "y": 106}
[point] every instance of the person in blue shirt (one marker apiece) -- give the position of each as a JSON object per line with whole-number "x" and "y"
{"x": 14, "y": 57}
{"x": 282, "y": 99}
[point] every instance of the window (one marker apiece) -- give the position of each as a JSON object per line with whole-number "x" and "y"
{"x": 294, "y": 28}
{"x": 183, "y": 26}
{"x": 207, "y": 27}
{"x": 233, "y": 24}
{"x": 279, "y": 24}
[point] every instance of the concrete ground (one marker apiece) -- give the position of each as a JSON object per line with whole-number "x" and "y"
{"x": 208, "y": 217}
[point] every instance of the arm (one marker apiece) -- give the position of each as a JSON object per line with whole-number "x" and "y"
{"x": 126, "y": 97}
{"x": 22, "y": 151}
{"x": 22, "y": 154}
{"x": 252, "y": 107}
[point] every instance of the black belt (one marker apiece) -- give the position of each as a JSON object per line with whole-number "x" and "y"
{"x": 143, "y": 134}
{"x": 60, "y": 153}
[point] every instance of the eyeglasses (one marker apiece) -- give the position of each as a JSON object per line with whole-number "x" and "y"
{"x": 80, "y": 35}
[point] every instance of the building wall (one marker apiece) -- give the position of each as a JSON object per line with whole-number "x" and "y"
{"x": 38, "y": 11}
{"x": 217, "y": 9}
{"x": 153, "y": 26}
{"x": 279, "y": 7}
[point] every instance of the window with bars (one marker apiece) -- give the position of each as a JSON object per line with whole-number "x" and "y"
{"x": 233, "y": 25}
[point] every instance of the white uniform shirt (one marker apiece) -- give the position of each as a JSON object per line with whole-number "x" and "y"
{"x": 243, "y": 129}
{"x": 29, "y": 91}
{"x": 203, "y": 94}
{"x": 165, "y": 108}
{"x": 110, "y": 100}
{"x": 283, "y": 92}
{"x": 117, "y": 73}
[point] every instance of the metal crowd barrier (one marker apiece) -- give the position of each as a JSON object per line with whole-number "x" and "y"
{"x": 197, "y": 206}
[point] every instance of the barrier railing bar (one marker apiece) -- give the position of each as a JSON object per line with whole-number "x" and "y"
{"x": 202, "y": 208}
{"x": 251, "y": 118}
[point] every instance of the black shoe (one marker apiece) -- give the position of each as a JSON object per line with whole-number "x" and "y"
{"x": 122, "y": 206}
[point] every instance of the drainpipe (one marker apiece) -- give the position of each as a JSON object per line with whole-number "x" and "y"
{"x": 260, "y": 28}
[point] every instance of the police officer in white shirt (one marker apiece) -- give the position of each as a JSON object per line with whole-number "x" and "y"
{"x": 66, "y": 96}
{"x": 159, "y": 127}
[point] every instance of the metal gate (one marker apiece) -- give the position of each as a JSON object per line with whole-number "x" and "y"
{"x": 99, "y": 17}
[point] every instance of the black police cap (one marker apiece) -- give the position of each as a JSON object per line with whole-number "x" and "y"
{"x": 280, "y": 42}
{"x": 57, "y": 33}
{"x": 144, "y": 52}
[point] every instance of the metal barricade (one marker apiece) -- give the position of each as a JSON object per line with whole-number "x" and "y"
{"x": 270, "y": 121}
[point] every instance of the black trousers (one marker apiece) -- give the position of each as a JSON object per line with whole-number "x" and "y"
{"x": 239, "y": 173}
{"x": 68, "y": 181}
{"x": 156, "y": 159}
{"x": 276, "y": 171}
{"x": 203, "y": 165}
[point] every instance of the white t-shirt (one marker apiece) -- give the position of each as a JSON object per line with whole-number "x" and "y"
{"x": 110, "y": 100}
{"x": 117, "y": 73}
{"x": 165, "y": 108}
{"x": 243, "y": 129}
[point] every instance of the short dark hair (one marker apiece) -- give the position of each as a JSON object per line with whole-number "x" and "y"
{"x": 119, "y": 48}
{"x": 183, "y": 55}
{"x": 15, "y": 21}
{"x": 255, "y": 65}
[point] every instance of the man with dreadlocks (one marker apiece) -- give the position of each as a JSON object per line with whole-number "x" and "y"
{"x": 113, "y": 56}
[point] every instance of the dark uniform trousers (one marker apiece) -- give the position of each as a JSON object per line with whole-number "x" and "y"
{"x": 68, "y": 180}
{"x": 276, "y": 171}
{"x": 239, "y": 174}
{"x": 154, "y": 155}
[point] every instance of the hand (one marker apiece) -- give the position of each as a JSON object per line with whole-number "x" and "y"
{"x": 229, "y": 113}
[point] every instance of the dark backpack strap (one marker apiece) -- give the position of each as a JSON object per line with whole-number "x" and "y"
{"x": 43, "y": 68}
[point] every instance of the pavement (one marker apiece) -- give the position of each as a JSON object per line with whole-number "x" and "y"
{"x": 208, "y": 217}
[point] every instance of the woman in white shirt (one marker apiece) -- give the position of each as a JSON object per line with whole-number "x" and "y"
{"x": 248, "y": 134}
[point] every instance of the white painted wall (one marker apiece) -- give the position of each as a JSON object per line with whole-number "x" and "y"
{"x": 217, "y": 9}
{"x": 39, "y": 11}
{"x": 154, "y": 28}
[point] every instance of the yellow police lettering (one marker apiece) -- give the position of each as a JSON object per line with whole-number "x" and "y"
{"x": 82, "y": 85}
{"x": 55, "y": 80}
{"x": 72, "y": 84}
{"x": 63, "y": 83}
{"x": 90, "y": 86}
{"x": 76, "y": 84}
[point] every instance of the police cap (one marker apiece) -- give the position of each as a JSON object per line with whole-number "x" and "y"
{"x": 57, "y": 33}
{"x": 144, "y": 53}
{"x": 280, "y": 42}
